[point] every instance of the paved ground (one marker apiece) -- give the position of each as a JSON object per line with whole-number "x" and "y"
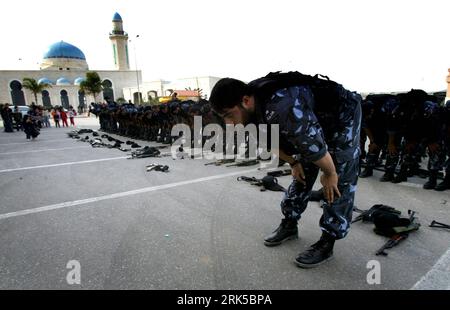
{"x": 193, "y": 228}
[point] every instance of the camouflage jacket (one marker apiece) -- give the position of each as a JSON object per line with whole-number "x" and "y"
{"x": 301, "y": 130}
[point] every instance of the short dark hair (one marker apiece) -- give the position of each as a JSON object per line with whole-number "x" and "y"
{"x": 227, "y": 93}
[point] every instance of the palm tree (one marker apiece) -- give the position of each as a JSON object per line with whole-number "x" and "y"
{"x": 92, "y": 85}
{"x": 35, "y": 87}
{"x": 121, "y": 100}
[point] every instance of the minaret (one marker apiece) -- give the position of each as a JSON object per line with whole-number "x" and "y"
{"x": 119, "y": 39}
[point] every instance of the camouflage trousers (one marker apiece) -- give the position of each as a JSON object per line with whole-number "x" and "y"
{"x": 337, "y": 216}
{"x": 436, "y": 160}
{"x": 447, "y": 162}
{"x": 392, "y": 160}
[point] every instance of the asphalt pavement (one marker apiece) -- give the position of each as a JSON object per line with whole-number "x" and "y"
{"x": 194, "y": 227}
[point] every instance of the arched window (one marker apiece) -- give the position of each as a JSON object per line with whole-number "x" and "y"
{"x": 81, "y": 100}
{"x": 152, "y": 94}
{"x": 108, "y": 92}
{"x": 46, "y": 99}
{"x": 64, "y": 99}
{"x": 17, "y": 96}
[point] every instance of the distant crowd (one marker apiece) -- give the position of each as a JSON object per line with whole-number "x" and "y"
{"x": 31, "y": 119}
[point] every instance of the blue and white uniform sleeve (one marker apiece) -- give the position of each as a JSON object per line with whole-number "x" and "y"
{"x": 291, "y": 108}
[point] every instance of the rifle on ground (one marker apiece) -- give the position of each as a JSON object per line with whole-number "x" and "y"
{"x": 251, "y": 180}
{"x": 366, "y": 215}
{"x": 395, "y": 240}
{"x": 145, "y": 152}
{"x": 245, "y": 163}
{"x": 401, "y": 233}
{"x": 157, "y": 167}
{"x": 439, "y": 225}
{"x": 221, "y": 162}
{"x": 280, "y": 173}
{"x": 267, "y": 183}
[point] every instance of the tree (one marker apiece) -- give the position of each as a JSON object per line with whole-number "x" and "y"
{"x": 121, "y": 100}
{"x": 33, "y": 86}
{"x": 92, "y": 85}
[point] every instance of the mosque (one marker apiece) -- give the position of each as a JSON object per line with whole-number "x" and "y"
{"x": 64, "y": 67}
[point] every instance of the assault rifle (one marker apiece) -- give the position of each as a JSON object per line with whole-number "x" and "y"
{"x": 439, "y": 225}
{"x": 221, "y": 162}
{"x": 395, "y": 240}
{"x": 245, "y": 163}
{"x": 267, "y": 183}
{"x": 366, "y": 215}
{"x": 402, "y": 233}
{"x": 280, "y": 173}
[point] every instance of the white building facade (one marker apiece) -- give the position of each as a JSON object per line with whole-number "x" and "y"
{"x": 64, "y": 66}
{"x": 161, "y": 88}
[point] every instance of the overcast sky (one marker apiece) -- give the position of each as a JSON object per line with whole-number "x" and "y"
{"x": 383, "y": 45}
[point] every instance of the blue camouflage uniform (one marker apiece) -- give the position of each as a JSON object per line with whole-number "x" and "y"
{"x": 304, "y": 134}
{"x": 432, "y": 127}
{"x": 395, "y": 119}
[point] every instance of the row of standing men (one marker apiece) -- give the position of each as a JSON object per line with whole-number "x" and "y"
{"x": 401, "y": 131}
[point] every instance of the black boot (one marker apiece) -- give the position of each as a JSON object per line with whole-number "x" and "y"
{"x": 319, "y": 253}
{"x": 166, "y": 140}
{"x": 444, "y": 184}
{"x": 281, "y": 162}
{"x": 286, "y": 231}
{"x": 388, "y": 176}
{"x": 402, "y": 176}
{"x": 431, "y": 184}
{"x": 368, "y": 172}
{"x": 371, "y": 163}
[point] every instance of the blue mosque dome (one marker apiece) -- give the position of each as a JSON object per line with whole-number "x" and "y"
{"x": 45, "y": 81}
{"x": 117, "y": 17}
{"x": 78, "y": 81}
{"x": 64, "y": 50}
{"x": 62, "y": 82}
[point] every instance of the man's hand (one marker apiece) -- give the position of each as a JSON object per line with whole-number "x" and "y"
{"x": 297, "y": 169}
{"x": 330, "y": 186}
{"x": 329, "y": 179}
{"x": 298, "y": 173}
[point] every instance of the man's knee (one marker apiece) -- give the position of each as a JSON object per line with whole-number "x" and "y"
{"x": 337, "y": 216}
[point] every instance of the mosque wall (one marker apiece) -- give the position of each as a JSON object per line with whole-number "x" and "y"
{"x": 64, "y": 60}
{"x": 119, "y": 80}
{"x": 64, "y": 63}
{"x": 205, "y": 83}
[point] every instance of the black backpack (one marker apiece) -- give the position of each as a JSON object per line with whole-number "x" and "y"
{"x": 330, "y": 98}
